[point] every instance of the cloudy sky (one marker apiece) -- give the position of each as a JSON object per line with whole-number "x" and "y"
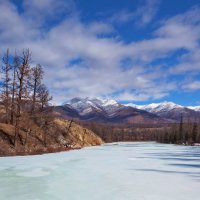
{"x": 137, "y": 51}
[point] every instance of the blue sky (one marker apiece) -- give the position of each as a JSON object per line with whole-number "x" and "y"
{"x": 138, "y": 51}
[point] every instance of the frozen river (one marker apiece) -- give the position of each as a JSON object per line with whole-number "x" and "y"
{"x": 122, "y": 171}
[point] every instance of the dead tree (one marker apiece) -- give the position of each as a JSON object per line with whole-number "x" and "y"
{"x": 22, "y": 74}
{"x": 35, "y": 85}
{"x": 43, "y": 97}
{"x": 6, "y": 84}
{"x": 16, "y": 64}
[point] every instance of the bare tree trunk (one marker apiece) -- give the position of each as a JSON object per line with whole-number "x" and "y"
{"x": 45, "y": 133}
{"x": 28, "y": 132}
{"x": 16, "y": 132}
{"x": 18, "y": 112}
{"x": 23, "y": 72}
{"x": 6, "y": 70}
{"x": 35, "y": 83}
{"x": 16, "y": 65}
{"x": 34, "y": 96}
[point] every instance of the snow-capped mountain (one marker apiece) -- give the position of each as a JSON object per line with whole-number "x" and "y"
{"x": 195, "y": 108}
{"x": 105, "y": 111}
{"x": 87, "y": 105}
{"x": 157, "y": 107}
{"x": 170, "y": 110}
{"x": 110, "y": 111}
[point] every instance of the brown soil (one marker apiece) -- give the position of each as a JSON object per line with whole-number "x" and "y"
{"x": 57, "y": 138}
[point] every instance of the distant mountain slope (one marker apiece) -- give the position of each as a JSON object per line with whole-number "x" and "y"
{"x": 106, "y": 111}
{"x": 195, "y": 108}
{"x": 170, "y": 110}
{"x": 157, "y": 107}
{"x": 89, "y": 105}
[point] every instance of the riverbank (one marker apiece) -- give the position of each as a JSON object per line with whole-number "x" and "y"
{"x": 38, "y": 151}
{"x": 61, "y": 136}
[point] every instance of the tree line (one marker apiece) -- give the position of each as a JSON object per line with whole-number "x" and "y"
{"x": 117, "y": 133}
{"x": 23, "y": 95}
{"x": 186, "y": 132}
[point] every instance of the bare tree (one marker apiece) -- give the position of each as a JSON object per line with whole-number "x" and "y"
{"x": 44, "y": 96}
{"x": 16, "y": 64}
{"x": 6, "y": 67}
{"x": 22, "y": 74}
{"x": 25, "y": 97}
{"x": 35, "y": 84}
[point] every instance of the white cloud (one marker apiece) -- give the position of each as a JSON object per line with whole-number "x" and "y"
{"x": 40, "y": 12}
{"x": 187, "y": 27}
{"x": 122, "y": 17}
{"x": 147, "y": 11}
{"x": 142, "y": 16}
{"x": 193, "y": 85}
{"x": 189, "y": 63}
{"x": 100, "y": 72}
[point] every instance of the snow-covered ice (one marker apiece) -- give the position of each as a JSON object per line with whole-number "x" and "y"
{"x": 120, "y": 171}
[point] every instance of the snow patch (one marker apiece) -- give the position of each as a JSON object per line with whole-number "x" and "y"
{"x": 195, "y": 108}
{"x": 86, "y": 105}
{"x": 157, "y": 107}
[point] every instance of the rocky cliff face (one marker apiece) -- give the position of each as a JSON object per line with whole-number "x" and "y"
{"x": 62, "y": 135}
{"x": 78, "y": 136}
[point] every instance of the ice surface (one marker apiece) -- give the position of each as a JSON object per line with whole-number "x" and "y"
{"x": 120, "y": 171}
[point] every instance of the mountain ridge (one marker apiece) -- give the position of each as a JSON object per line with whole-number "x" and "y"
{"x": 110, "y": 111}
{"x": 105, "y": 111}
{"x": 170, "y": 110}
{"x": 165, "y": 104}
{"x": 144, "y": 106}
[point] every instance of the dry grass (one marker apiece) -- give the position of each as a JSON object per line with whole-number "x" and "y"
{"x": 7, "y": 128}
{"x": 58, "y": 138}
